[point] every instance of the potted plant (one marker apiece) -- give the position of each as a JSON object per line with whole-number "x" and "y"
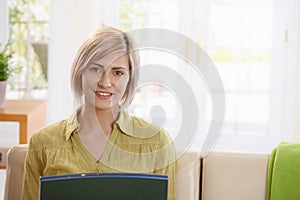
{"x": 5, "y": 71}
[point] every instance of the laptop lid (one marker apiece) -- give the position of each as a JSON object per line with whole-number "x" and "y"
{"x": 107, "y": 186}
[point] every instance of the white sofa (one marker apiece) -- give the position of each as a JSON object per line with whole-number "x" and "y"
{"x": 218, "y": 176}
{"x": 234, "y": 176}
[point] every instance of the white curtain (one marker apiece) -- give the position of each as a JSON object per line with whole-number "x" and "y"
{"x": 285, "y": 71}
{"x": 294, "y": 58}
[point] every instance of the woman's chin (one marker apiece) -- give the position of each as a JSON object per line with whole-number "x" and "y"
{"x": 106, "y": 106}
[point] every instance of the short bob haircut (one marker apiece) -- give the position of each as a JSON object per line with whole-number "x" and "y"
{"x": 104, "y": 42}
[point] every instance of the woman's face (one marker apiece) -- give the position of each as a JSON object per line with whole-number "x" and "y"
{"x": 104, "y": 82}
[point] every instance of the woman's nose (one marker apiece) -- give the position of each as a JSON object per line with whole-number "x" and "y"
{"x": 104, "y": 81}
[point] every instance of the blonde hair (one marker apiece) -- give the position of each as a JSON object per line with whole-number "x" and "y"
{"x": 104, "y": 42}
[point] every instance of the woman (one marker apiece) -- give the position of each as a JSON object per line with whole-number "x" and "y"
{"x": 101, "y": 136}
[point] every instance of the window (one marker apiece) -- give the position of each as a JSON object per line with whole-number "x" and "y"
{"x": 241, "y": 45}
{"x": 153, "y": 101}
{"x": 241, "y": 37}
{"x": 140, "y": 14}
{"x": 29, "y": 33}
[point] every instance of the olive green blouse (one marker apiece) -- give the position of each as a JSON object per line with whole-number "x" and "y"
{"x": 134, "y": 146}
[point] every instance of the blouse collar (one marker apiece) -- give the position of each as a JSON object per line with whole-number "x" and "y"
{"x": 129, "y": 125}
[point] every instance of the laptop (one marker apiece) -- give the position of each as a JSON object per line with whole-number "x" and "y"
{"x": 107, "y": 186}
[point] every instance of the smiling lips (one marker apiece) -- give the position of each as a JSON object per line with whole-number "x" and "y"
{"x": 103, "y": 95}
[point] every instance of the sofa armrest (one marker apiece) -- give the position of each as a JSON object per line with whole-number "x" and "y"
{"x": 14, "y": 172}
{"x": 188, "y": 176}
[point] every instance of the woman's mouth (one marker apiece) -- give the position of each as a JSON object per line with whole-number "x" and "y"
{"x": 103, "y": 95}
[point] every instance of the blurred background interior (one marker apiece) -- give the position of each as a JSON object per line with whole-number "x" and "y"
{"x": 255, "y": 46}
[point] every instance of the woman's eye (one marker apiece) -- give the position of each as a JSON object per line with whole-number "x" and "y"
{"x": 119, "y": 73}
{"x": 96, "y": 69}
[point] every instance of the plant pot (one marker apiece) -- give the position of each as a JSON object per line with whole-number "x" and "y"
{"x": 2, "y": 93}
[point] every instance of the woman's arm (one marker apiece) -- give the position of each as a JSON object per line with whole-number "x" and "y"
{"x": 170, "y": 171}
{"x": 33, "y": 169}
{"x": 166, "y": 163}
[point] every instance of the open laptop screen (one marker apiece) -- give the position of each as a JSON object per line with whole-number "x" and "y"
{"x": 107, "y": 186}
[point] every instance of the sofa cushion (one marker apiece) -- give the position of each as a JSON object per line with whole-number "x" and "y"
{"x": 234, "y": 176}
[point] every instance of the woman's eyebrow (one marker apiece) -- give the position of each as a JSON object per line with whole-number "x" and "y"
{"x": 120, "y": 67}
{"x": 113, "y": 67}
{"x": 97, "y": 64}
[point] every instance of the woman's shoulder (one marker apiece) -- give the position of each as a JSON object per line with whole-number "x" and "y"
{"x": 51, "y": 129}
{"x": 53, "y": 134}
{"x": 158, "y": 135}
{"x": 143, "y": 128}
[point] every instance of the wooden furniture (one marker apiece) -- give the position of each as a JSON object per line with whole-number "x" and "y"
{"x": 31, "y": 114}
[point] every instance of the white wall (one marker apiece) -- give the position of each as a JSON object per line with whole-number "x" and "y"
{"x": 71, "y": 21}
{"x": 297, "y": 100}
{"x": 3, "y": 21}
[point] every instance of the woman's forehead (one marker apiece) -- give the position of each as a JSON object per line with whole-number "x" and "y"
{"x": 117, "y": 60}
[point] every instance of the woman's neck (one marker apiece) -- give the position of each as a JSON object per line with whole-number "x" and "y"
{"x": 94, "y": 119}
